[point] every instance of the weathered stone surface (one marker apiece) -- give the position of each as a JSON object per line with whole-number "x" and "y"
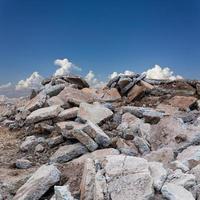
{"x": 68, "y": 152}
{"x": 189, "y": 154}
{"x": 178, "y": 165}
{"x": 88, "y": 178}
{"x": 53, "y": 90}
{"x": 68, "y": 114}
{"x": 135, "y": 92}
{"x": 45, "y": 177}
{"x": 63, "y": 193}
{"x": 164, "y": 155}
{"x": 179, "y": 178}
{"x": 85, "y": 139}
{"x": 96, "y": 113}
{"x": 52, "y": 142}
{"x": 23, "y": 164}
{"x": 55, "y": 100}
{"x": 74, "y": 96}
{"x": 183, "y": 103}
{"x": 128, "y": 178}
{"x": 196, "y": 172}
{"x": 29, "y": 143}
{"x": 159, "y": 174}
{"x": 39, "y": 148}
{"x": 44, "y": 114}
{"x": 95, "y": 132}
{"x": 36, "y": 102}
{"x": 142, "y": 145}
{"x": 175, "y": 192}
{"x": 124, "y": 148}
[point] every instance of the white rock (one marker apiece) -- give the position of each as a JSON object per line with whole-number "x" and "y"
{"x": 159, "y": 174}
{"x": 175, "y": 192}
{"x": 63, "y": 193}
{"x": 44, "y": 114}
{"x": 39, "y": 183}
{"x": 96, "y": 113}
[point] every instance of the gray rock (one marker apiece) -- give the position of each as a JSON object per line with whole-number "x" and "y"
{"x": 85, "y": 139}
{"x": 36, "y": 103}
{"x": 52, "y": 142}
{"x": 174, "y": 192}
{"x": 96, "y": 113}
{"x": 63, "y": 193}
{"x": 95, "y": 132}
{"x": 142, "y": 145}
{"x": 68, "y": 114}
{"x": 39, "y": 183}
{"x": 68, "y": 152}
{"x": 159, "y": 174}
{"x": 39, "y": 148}
{"x": 29, "y": 143}
{"x": 44, "y": 114}
{"x": 53, "y": 90}
{"x": 23, "y": 164}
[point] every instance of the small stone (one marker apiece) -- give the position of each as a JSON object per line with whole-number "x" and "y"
{"x": 52, "y": 142}
{"x": 39, "y": 148}
{"x": 63, "y": 193}
{"x": 142, "y": 145}
{"x": 68, "y": 114}
{"x": 23, "y": 164}
{"x": 29, "y": 143}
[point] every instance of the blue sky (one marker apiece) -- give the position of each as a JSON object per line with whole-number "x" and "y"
{"x": 99, "y": 35}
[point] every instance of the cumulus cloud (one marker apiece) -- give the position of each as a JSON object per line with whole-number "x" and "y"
{"x": 92, "y": 80}
{"x": 65, "y": 66}
{"x": 32, "y": 82}
{"x": 4, "y": 86}
{"x": 126, "y": 72}
{"x": 161, "y": 73}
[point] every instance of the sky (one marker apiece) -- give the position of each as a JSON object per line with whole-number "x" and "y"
{"x": 104, "y": 36}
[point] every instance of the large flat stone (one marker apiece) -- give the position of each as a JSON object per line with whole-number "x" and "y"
{"x": 68, "y": 152}
{"x": 39, "y": 183}
{"x": 96, "y": 113}
{"x": 44, "y": 114}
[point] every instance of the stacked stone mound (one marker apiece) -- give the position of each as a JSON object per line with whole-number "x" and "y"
{"x": 104, "y": 145}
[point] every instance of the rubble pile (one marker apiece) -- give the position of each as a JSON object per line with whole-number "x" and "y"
{"x": 136, "y": 138}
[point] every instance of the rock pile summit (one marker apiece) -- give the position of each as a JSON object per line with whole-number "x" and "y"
{"x": 135, "y": 138}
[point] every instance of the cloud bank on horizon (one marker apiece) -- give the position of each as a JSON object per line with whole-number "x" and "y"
{"x": 66, "y": 67}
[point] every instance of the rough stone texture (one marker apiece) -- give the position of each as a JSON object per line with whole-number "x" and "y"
{"x": 192, "y": 153}
{"x": 30, "y": 142}
{"x": 68, "y": 152}
{"x": 96, "y": 113}
{"x": 44, "y": 114}
{"x": 196, "y": 172}
{"x": 45, "y": 177}
{"x": 95, "y": 132}
{"x": 87, "y": 183}
{"x": 164, "y": 155}
{"x": 74, "y": 96}
{"x": 142, "y": 145}
{"x": 175, "y": 192}
{"x": 63, "y": 193}
{"x": 53, "y": 90}
{"x": 179, "y": 178}
{"x": 85, "y": 139}
{"x": 55, "y": 101}
{"x": 36, "y": 102}
{"x": 159, "y": 174}
{"x": 68, "y": 114}
{"x": 128, "y": 178}
{"x": 23, "y": 163}
{"x": 183, "y": 103}
{"x": 52, "y": 142}
{"x": 135, "y": 92}
{"x": 178, "y": 165}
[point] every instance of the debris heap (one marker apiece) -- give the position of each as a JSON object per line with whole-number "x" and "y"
{"x": 135, "y": 138}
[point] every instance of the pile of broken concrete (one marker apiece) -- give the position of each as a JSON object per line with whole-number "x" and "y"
{"x": 133, "y": 139}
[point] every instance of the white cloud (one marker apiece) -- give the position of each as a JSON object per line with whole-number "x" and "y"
{"x": 4, "y": 86}
{"x": 32, "y": 82}
{"x": 161, "y": 73}
{"x": 92, "y": 80}
{"x": 65, "y": 66}
{"x": 126, "y": 72}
